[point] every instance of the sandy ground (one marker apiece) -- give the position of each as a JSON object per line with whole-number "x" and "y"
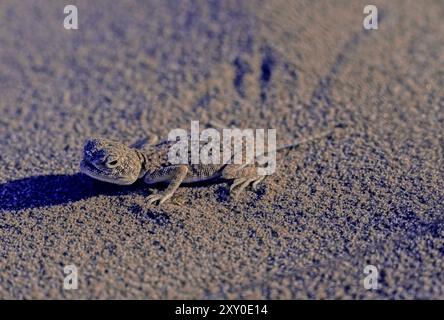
{"x": 371, "y": 194}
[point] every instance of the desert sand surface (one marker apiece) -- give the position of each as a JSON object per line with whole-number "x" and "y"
{"x": 370, "y": 194}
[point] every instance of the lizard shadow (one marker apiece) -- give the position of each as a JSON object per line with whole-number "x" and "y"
{"x": 57, "y": 189}
{"x": 50, "y": 190}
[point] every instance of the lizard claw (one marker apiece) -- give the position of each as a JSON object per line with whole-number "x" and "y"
{"x": 241, "y": 183}
{"x": 161, "y": 198}
{"x": 235, "y": 193}
{"x": 236, "y": 183}
{"x": 256, "y": 183}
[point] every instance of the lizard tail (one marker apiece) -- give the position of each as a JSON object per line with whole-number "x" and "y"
{"x": 303, "y": 141}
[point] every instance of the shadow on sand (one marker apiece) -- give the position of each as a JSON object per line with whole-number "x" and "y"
{"x": 42, "y": 191}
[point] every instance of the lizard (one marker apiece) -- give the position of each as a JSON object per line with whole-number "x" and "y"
{"x": 114, "y": 162}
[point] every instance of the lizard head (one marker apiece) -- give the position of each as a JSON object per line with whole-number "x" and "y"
{"x": 110, "y": 161}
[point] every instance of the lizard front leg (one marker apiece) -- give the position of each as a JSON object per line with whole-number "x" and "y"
{"x": 174, "y": 174}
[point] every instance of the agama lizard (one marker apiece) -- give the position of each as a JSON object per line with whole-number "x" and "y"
{"x": 116, "y": 163}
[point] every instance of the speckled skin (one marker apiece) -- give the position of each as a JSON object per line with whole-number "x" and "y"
{"x": 113, "y": 162}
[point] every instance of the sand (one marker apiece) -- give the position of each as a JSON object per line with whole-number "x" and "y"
{"x": 371, "y": 194}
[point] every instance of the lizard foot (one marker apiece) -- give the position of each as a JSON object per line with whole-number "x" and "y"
{"x": 241, "y": 183}
{"x": 256, "y": 182}
{"x": 160, "y": 197}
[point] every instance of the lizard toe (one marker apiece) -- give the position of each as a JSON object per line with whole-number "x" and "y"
{"x": 239, "y": 185}
{"x": 237, "y": 182}
{"x": 255, "y": 184}
{"x": 154, "y": 198}
{"x": 159, "y": 198}
{"x": 165, "y": 198}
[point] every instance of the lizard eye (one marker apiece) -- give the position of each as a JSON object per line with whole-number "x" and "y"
{"x": 111, "y": 162}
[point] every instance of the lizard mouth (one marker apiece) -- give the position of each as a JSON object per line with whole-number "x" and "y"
{"x": 95, "y": 173}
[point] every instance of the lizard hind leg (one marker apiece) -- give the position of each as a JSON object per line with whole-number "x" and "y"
{"x": 240, "y": 184}
{"x": 242, "y": 177}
